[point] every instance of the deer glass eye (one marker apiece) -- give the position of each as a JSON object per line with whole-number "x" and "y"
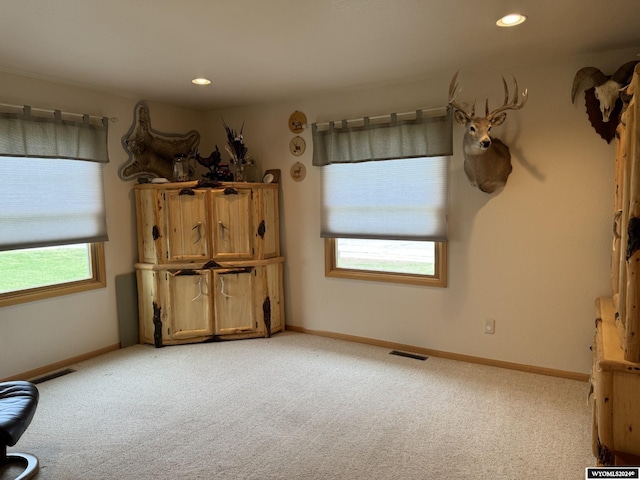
{"x": 472, "y": 129}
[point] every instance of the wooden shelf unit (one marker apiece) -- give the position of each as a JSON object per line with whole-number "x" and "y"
{"x": 615, "y": 376}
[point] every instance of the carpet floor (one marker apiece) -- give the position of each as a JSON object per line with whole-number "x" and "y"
{"x": 298, "y": 406}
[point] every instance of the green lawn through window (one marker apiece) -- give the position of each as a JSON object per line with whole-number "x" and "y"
{"x": 393, "y": 256}
{"x": 387, "y": 266}
{"x": 39, "y": 267}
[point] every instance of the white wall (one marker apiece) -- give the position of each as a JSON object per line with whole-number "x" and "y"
{"x": 533, "y": 257}
{"x": 37, "y": 334}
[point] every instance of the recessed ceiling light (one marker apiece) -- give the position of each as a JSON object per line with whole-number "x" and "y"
{"x": 201, "y": 81}
{"x": 511, "y": 20}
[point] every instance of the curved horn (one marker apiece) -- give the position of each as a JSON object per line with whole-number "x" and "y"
{"x": 593, "y": 74}
{"x": 624, "y": 73}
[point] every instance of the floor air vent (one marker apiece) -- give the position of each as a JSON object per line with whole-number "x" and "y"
{"x": 408, "y": 355}
{"x": 53, "y": 375}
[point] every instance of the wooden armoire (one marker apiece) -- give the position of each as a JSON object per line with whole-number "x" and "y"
{"x": 209, "y": 262}
{"x": 615, "y": 375}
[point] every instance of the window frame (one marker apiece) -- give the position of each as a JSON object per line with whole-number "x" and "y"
{"x": 97, "y": 280}
{"x": 439, "y": 279}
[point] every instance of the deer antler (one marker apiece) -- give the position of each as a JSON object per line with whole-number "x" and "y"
{"x": 514, "y": 105}
{"x": 453, "y": 86}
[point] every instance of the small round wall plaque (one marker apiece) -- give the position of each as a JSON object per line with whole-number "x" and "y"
{"x": 297, "y": 121}
{"x": 297, "y": 146}
{"x": 298, "y": 171}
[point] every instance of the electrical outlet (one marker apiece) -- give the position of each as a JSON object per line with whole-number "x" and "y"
{"x": 490, "y": 326}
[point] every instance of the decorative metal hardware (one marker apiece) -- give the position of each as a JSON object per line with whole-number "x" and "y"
{"x": 208, "y": 184}
{"x": 157, "y": 326}
{"x": 211, "y": 264}
{"x": 633, "y": 237}
{"x": 183, "y": 272}
{"x": 231, "y": 270}
{"x": 266, "y": 311}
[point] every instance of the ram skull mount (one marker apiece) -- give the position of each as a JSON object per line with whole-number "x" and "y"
{"x": 487, "y": 160}
{"x": 602, "y": 96}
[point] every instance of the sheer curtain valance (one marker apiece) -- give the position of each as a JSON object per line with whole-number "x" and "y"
{"x": 51, "y": 180}
{"x": 27, "y": 135}
{"x": 423, "y": 136}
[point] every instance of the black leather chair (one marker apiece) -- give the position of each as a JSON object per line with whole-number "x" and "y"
{"x": 18, "y": 402}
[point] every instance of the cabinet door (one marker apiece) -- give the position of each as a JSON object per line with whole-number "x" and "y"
{"x": 188, "y": 313}
{"x": 149, "y": 307}
{"x": 232, "y": 224}
{"x": 147, "y": 224}
{"x": 268, "y": 298}
{"x": 233, "y": 301}
{"x": 267, "y": 230}
{"x": 186, "y": 229}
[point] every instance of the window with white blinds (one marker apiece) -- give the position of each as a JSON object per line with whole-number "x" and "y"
{"x": 52, "y": 208}
{"x": 384, "y": 198}
{"x": 51, "y": 185}
{"x": 47, "y": 202}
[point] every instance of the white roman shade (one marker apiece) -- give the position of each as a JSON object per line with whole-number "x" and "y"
{"x": 51, "y": 182}
{"x": 395, "y": 200}
{"x": 385, "y": 180}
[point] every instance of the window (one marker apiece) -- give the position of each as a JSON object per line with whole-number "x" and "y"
{"x": 397, "y": 261}
{"x": 382, "y": 220}
{"x": 37, "y": 273}
{"x": 384, "y": 199}
{"x": 52, "y": 214}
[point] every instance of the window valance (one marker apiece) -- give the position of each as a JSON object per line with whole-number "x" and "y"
{"x": 27, "y": 135}
{"x": 423, "y": 136}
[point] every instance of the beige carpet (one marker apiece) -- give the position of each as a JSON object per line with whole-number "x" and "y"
{"x": 298, "y": 406}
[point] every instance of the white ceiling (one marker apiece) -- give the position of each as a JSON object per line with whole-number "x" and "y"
{"x": 268, "y": 50}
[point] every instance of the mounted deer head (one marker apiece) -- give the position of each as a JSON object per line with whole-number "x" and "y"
{"x": 487, "y": 161}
